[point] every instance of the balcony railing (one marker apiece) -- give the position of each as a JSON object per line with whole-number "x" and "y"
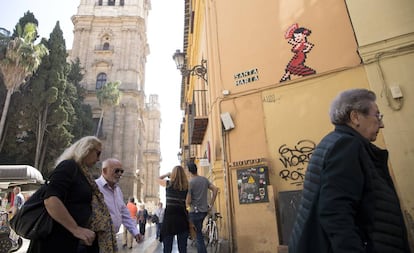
{"x": 189, "y": 153}
{"x": 198, "y": 117}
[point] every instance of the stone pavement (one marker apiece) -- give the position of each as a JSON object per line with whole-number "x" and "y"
{"x": 151, "y": 245}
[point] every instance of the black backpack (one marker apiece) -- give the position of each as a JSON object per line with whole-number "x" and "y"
{"x": 155, "y": 219}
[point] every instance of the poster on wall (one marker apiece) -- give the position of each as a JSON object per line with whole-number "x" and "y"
{"x": 252, "y": 184}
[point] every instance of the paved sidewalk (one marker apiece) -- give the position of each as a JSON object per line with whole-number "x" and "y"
{"x": 151, "y": 245}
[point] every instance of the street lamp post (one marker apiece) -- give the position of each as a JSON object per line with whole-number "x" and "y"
{"x": 198, "y": 70}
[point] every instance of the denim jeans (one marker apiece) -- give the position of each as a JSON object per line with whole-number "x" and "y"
{"x": 142, "y": 227}
{"x": 167, "y": 240}
{"x": 159, "y": 225}
{"x": 197, "y": 219}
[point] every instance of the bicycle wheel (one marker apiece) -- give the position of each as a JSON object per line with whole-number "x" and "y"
{"x": 215, "y": 237}
{"x": 206, "y": 234}
{"x": 211, "y": 233}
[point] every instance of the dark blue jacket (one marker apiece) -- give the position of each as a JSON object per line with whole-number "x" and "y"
{"x": 349, "y": 203}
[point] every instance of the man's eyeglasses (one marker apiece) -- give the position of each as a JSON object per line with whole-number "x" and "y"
{"x": 119, "y": 170}
{"x": 379, "y": 116}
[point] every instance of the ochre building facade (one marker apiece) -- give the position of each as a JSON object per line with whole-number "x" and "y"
{"x": 253, "y": 124}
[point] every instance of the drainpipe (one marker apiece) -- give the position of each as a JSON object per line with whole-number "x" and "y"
{"x": 227, "y": 185}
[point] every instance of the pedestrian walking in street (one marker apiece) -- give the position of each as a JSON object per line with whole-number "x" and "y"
{"x": 127, "y": 238}
{"x": 159, "y": 213}
{"x": 18, "y": 200}
{"x": 108, "y": 185}
{"x": 4, "y": 201}
{"x": 175, "y": 221}
{"x": 142, "y": 219}
{"x": 200, "y": 205}
{"x": 74, "y": 202}
{"x": 349, "y": 203}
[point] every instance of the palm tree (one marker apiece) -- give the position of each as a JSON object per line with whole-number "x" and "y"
{"x": 108, "y": 96}
{"x": 18, "y": 61}
{"x": 4, "y": 40}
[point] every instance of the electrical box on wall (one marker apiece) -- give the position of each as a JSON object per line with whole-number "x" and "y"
{"x": 227, "y": 121}
{"x": 396, "y": 91}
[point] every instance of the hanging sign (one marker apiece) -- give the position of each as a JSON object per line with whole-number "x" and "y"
{"x": 204, "y": 162}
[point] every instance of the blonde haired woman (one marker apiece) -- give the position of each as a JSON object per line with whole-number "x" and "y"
{"x": 176, "y": 216}
{"x": 74, "y": 202}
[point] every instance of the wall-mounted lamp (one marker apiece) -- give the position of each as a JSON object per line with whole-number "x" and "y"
{"x": 179, "y": 156}
{"x": 198, "y": 70}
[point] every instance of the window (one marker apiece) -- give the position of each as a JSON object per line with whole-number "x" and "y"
{"x": 100, "y": 2}
{"x": 100, "y": 80}
{"x": 122, "y": 2}
{"x": 100, "y": 133}
{"x": 111, "y": 2}
{"x": 105, "y": 46}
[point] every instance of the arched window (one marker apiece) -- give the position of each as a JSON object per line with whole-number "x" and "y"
{"x": 100, "y": 80}
{"x": 105, "y": 46}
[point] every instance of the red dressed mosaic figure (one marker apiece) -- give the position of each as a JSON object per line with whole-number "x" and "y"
{"x": 297, "y": 36}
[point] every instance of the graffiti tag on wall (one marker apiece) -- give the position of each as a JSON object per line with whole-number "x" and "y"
{"x": 294, "y": 160}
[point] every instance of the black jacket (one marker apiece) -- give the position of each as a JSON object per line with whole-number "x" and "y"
{"x": 349, "y": 203}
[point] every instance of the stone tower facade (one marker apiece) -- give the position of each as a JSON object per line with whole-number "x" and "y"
{"x": 111, "y": 43}
{"x": 152, "y": 121}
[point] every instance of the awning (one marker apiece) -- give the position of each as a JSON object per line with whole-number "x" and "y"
{"x": 18, "y": 175}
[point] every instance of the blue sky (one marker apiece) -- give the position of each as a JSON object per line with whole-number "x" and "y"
{"x": 47, "y": 13}
{"x": 165, "y": 35}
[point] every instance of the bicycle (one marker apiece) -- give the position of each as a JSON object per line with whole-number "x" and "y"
{"x": 211, "y": 233}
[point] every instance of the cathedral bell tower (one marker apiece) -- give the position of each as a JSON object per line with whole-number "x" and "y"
{"x": 111, "y": 43}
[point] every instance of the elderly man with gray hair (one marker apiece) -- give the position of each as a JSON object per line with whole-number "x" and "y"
{"x": 349, "y": 203}
{"x": 108, "y": 184}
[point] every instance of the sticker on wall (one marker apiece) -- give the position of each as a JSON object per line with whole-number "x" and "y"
{"x": 298, "y": 37}
{"x": 252, "y": 184}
